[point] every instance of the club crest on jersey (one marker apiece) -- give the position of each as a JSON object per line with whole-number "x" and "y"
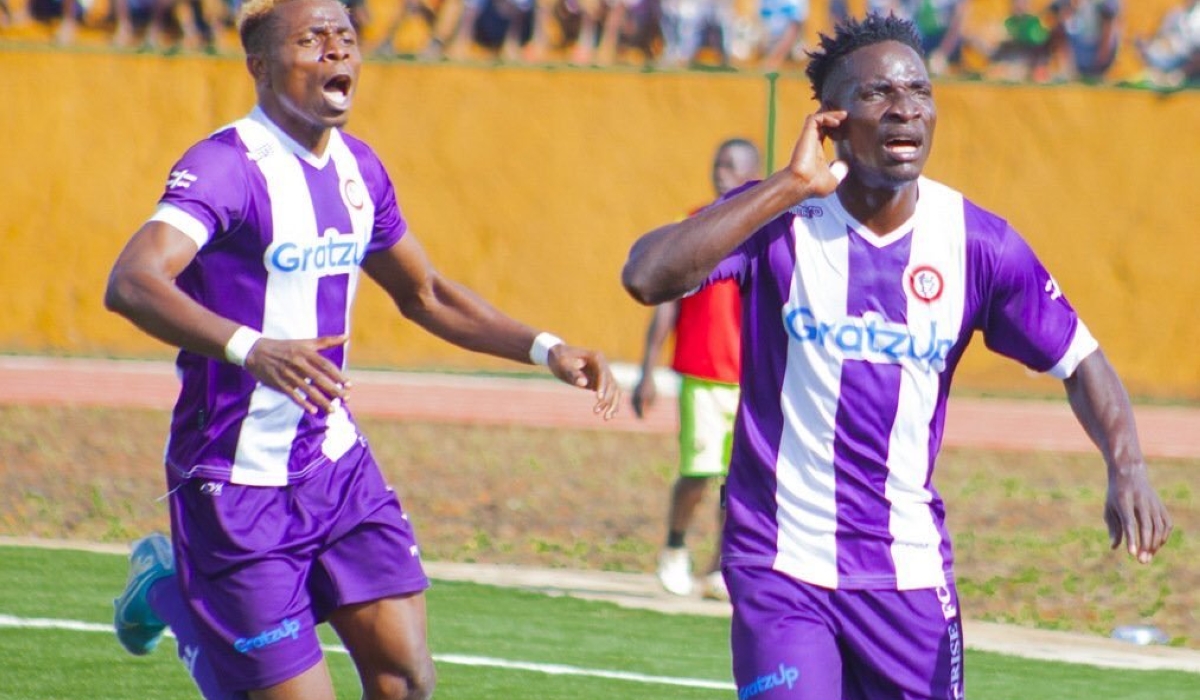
{"x": 925, "y": 283}
{"x": 352, "y": 191}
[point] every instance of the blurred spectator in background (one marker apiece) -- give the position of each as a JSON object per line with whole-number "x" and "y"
{"x": 599, "y": 32}
{"x": 940, "y": 24}
{"x": 498, "y": 27}
{"x": 1172, "y": 54}
{"x": 420, "y": 10}
{"x": 68, "y": 13}
{"x": 1084, "y": 38}
{"x": 689, "y": 26}
{"x": 782, "y": 32}
{"x": 165, "y": 24}
{"x": 1022, "y": 53}
{"x": 161, "y": 24}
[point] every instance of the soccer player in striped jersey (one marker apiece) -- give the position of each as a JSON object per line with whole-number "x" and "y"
{"x": 281, "y": 519}
{"x": 859, "y": 297}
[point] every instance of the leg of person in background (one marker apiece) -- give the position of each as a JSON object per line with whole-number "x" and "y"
{"x": 123, "y": 28}
{"x": 707, "y": 410}
{"x": 461, "y": 42}
{"x": 153, "y": 601}
{"x": 585, "y": 17}
{"x": 681, "y": 29}
{"x": 610, "y": 32}
{"x": 714, "y": 587}
{"x": 675, "y": 562}
{"x": 69, "y": 25}
{"x": 537, "y": 44}
{"x": 204, "y": 26}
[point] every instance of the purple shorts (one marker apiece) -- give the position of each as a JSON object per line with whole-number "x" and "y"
{"x": 260, "y": 567}
{"x": 802, "y": 642}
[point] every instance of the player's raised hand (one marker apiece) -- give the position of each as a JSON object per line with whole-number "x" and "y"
{"x": 587, "y": 369}
{"x": 809, "y": 163}
{"x": 1135, "y": 514}
{"x": 296, "y": 368}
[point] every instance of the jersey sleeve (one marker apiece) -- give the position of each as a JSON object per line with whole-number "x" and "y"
{"x": 206, "y": 192}
{"x": 737, "y": 264}
{"x": 390, "y": 224}
{"x": 1028, "y": 318}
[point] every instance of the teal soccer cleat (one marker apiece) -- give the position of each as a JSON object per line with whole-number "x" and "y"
{"x": 138, "y": 628}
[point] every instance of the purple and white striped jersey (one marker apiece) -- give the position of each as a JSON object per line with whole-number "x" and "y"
{"x": 281, "y": 234}
{"x": 850, "y": 340}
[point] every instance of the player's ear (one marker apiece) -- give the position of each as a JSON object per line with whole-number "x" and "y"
{"x": 257, "y": 65}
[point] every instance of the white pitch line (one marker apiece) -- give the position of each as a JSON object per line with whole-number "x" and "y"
{"x": 11, "y": 621}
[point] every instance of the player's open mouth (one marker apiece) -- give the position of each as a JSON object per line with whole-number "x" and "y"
{"x": 337, "y": 91}
{"x": 903, "y": 148}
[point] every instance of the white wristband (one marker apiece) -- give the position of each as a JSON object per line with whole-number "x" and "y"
{"x": 540, "y": 351}
{"x": 240, "y": 344}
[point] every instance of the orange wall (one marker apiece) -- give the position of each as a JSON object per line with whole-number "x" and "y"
{"x": 529, "y": 185}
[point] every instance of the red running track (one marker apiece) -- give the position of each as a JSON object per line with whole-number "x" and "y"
{"x": 1166, "y": 431}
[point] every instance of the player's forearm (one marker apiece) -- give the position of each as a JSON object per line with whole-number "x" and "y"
{"x": 672, "y": 260}
{"x": 1102, "y": 407}
{"x": 457, "y": 315}
{"x": 158, "y": 307}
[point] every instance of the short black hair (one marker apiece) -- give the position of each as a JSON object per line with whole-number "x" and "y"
{"x": 851, "y": 35}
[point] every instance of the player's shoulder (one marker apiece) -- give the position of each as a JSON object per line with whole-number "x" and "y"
{"x": 369, "y": 162}
{"x": 359, "y": 148}
{"x": 222, "y": 149}
{"x": 980, "y": 223}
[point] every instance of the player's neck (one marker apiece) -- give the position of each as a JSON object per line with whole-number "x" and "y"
{"x": 313, "y": 138}
{"x": 881, "y": 210}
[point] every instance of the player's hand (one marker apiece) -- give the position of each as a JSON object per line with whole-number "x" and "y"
{"x": 296, "y": 368}
{"x": 809, "y": 164}
{"x": 1135, "y": 515}
{"x": 587, "y": 369}
{"x": 645, "y": 393}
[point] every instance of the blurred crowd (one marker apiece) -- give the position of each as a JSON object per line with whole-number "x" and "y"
{"x": 1027, "y": 40}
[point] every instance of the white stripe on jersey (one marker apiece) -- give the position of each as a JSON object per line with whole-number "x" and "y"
{"x": 270, "y": 425}
{"x": 269, "y": 429}
{"x": 806, "y": 497}
{"x": 340, "y": 433}
{"x": 940, "y": 244}
{"x": 806, "y": 506}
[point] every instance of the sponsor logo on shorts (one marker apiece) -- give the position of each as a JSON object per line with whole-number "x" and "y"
{"x": 287, "y": 629}
{"x": 189, "y": 656}
{"x": 949, "y": 608}
{"x": 956, "y": 654}
{"x": 784, "y": 676}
